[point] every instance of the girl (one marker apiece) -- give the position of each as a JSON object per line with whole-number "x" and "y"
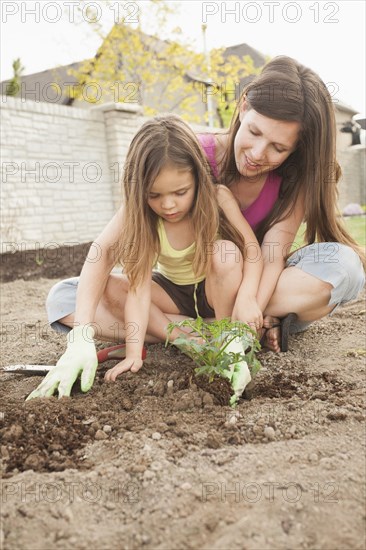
{"x": 279, "y": 160}
{"x": 175, "y": 219}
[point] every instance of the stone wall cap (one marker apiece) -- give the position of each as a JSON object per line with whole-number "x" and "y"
{"x": 126, "y": 107}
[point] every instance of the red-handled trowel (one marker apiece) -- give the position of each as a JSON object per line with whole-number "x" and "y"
{"x": 106, "y": 354}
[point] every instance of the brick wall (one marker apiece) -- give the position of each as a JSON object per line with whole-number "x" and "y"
{"x": 59, "y": 181}
{"x": 61, "y": 169}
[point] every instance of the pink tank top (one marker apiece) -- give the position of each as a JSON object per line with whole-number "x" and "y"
{"x": 266, "y": 199}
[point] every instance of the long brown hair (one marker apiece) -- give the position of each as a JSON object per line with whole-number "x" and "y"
{"x": 162, "y": 141}
{"x": 287, "y": 91}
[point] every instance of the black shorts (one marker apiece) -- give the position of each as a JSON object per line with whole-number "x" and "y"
{"x": 182, "y": 296}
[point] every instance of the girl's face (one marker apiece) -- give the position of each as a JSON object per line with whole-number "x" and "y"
{"x": 172, "y": 194}
{"x": 262, "y": 143}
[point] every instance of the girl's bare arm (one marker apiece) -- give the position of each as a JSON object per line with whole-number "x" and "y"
{"x": 137, "y": 310}
{"x": 96, "y": 269}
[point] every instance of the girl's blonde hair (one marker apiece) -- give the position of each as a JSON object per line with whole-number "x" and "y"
{"x": 161, "y": 142}
{"x": 286, "y": 90}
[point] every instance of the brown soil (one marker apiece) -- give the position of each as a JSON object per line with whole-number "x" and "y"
{"x": 156, "y": 460}
{"x": 51, "y": 261}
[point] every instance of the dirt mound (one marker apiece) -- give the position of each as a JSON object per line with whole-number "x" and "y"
{"x": 50, "y": 434}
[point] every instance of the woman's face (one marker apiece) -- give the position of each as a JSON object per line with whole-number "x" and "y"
{"x": 262, "y": 143}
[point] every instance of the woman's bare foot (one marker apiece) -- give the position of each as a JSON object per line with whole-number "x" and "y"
{"x": 272, "y": 333}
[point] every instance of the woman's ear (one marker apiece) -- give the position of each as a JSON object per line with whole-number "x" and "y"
{"x": 243, "y": 108}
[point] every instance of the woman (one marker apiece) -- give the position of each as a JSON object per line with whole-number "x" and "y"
{"x": 279, "y": 160}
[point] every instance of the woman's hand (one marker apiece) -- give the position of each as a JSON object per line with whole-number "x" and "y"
{"x": 133, "y": 364}
{"x": 248, "y": 311}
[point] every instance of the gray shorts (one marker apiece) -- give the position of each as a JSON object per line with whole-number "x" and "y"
{"x": 333, "y": 263}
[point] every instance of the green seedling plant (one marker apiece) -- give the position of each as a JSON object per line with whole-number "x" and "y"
{"x": 207, "y": 343}
{"x": 39, "y": 261}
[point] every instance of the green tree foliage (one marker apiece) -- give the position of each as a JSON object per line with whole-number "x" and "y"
{"x": 13, "y": 88}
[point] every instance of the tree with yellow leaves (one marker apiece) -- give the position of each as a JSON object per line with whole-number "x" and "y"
{"x": 162, "y": 75}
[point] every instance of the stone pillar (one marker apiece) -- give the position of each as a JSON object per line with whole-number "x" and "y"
{"x": 122, "y": 120}
{"x": 352, "y": 187}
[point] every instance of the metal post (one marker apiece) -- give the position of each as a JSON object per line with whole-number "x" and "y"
{"x": 208, "y": 65}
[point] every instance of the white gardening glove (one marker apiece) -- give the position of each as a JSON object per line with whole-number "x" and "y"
{"x": 239, "y": 374}
{"x": 240, "y": 379}
{"x": 79, "y": 357}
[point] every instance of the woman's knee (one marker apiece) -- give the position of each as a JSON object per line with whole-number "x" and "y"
{"x": 352, "y": 265}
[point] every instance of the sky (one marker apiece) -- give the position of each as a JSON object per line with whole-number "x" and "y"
{"x": 328, "y": 37}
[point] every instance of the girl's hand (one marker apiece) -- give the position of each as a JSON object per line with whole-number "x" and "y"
{"x": 248, "y": 312}
{"x": 133, "y": 364}
{"x": 80, "y": 358}
{"x": 196, "y": 339}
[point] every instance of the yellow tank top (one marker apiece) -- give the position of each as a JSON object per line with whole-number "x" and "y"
{"x": 175, "y": 265}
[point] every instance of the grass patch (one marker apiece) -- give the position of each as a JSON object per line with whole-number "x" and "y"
{"x": 356, "y": 226}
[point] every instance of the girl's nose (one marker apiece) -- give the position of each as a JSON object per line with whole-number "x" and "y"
{"x": 167, "y": 203}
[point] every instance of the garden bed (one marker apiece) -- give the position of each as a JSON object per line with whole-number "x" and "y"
{"x": 157, "y": 461}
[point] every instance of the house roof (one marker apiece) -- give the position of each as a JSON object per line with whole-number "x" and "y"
{"x": 49, "y": 86}
{"x": 240, "y": 50}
